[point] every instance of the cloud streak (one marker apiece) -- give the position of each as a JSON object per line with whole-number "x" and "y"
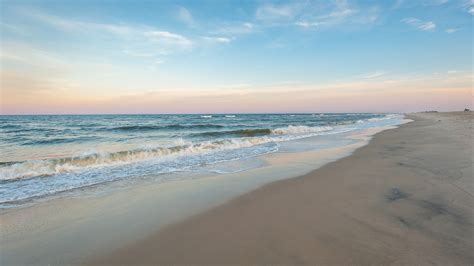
{"x": 419, "y": 24}
{"x": 77, "y": 25}
{"x": 168, "y": 39}
{"x": 160, "y": 41}
{"x": 185, "y": 16}
{"x": 272, "y": 12}
{"x": 217, "y": 39}
{"x": 469, "y": 6}
{"x": 77, "y": 59}
{"x": 337, "y": 13}
{"x": 235, "y": 29}
{"x": 452, "y": 30}
{"x": 373, "y": 75}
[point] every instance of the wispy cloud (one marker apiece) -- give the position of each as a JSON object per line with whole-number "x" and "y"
{"x": 337, "y": 13}
{"x": 397, "y": 4}
{"x": 168, "y": 39}
{"x": 372, "y": 75}
{"x": 52, "y": 67}
{"x": 469, "y": 6}
{"x": 452, "y": 30}
{"x": 217, "y": 39}
{"x": 43, "y": 61}
{"x": 12, "y": 28}
{"x": 342, "y": 10}
{"x": 271, "y": 11}
{"x": 420, "y": 3}
{"x": 185, "y": 16}
{"x": 419, "y": 24}
{"x": 151, "y": 40}
{"x": 235, "y": 29}
{"x": 77, "y": 25}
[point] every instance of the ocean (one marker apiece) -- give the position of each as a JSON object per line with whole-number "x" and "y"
{"x": 49, "y": 155}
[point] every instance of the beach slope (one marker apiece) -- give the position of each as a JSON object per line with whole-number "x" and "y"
{"x": 405, "y": 198}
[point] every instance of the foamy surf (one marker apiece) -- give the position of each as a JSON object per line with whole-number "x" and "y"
{"x": 103, "y": 149}
{"x": 18, "y": 170}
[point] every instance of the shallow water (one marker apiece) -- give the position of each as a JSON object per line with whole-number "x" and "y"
{"x": 47, "y": 155}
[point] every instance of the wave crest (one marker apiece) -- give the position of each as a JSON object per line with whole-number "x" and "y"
{"x": 299, "y": 130}
{"x": 251, "y": 137}
{"x": 251, "y": 132}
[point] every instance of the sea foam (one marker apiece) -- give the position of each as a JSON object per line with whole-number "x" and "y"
{"x": 102, "y": 149}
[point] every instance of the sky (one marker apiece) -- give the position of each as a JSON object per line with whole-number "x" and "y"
{"x": 91, "y": 57}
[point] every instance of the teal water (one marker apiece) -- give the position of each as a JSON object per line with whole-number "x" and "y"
{"x": 47, "y": 155}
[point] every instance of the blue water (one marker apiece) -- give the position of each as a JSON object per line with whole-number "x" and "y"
{"x": 46, "y": 155}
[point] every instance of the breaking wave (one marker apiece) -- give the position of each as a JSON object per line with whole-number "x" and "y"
{"x": 122, "y": 147}
{"x": 236, "y": 133}
{"x": 248, "y": 138}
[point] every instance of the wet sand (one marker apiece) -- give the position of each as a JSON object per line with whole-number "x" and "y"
{"x": 72, "y": 229}
{"x": 404, "y": 199}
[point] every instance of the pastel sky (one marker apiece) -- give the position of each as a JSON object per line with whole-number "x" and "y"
{"x": 235, "y": 56}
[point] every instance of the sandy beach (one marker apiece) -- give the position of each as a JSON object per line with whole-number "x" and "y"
{"x": 404, "y": 199}
{"x": 72, "y": 228}
{"x": 269, "y": 132}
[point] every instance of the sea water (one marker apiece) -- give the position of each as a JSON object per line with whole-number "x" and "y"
{"x": 46, "y": 155}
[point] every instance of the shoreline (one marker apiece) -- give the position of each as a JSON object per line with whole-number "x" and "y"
{"x": 405, "y": 198}
{"x": 79, "y": 228}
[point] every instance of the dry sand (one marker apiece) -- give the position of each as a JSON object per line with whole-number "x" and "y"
{"x": 406, "y": 198}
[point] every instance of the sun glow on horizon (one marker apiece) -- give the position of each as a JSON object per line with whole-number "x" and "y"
{"x": 316, "y": 56}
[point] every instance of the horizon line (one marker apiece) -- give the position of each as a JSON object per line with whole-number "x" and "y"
{"x": 246, "y": 113}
